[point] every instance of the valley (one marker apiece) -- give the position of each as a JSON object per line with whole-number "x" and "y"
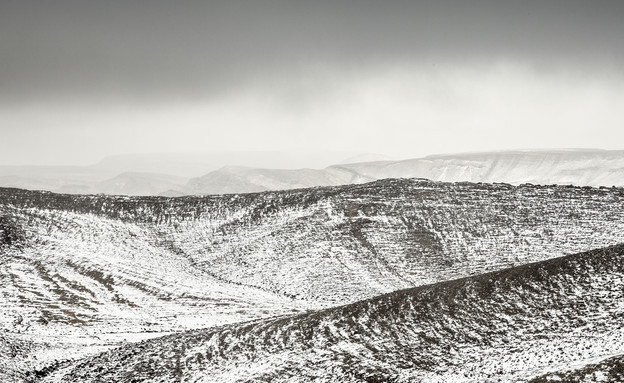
{"x": 82, "y": 274}
{"x": 502, "y": 326}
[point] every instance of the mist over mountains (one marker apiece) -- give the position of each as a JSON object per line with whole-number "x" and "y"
{"x": 177, "y": 175}
{"x": 344, "y": 273}
{"x": 197, "y": 191}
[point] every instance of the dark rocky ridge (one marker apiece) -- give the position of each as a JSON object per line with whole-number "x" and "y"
{"x": 609, "y": 370}
{"x": 499, "y": 326}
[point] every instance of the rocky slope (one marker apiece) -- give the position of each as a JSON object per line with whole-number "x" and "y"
{"x": 81, "y": 274}
{"x": 608, "y": 370}
{"x": 77, "y": 283}
{"x": 509, "y": 325}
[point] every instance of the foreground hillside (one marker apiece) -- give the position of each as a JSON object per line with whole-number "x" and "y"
{"x": 608, "y": 370}
{"x": 508, "y": 325}
{"x": 73, "y": 284}
{"x": 81, "y": 274}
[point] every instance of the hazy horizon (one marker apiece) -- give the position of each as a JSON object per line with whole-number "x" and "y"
{"x": 275, "y": 159}
{"x": 85, "y": 80}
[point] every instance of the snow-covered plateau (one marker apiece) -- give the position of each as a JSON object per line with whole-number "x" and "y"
{"x": 309, "y": 284}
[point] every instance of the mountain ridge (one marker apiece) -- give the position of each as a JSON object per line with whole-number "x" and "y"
{"x": 432, "y": 332}
{"x": 581, "y": 167}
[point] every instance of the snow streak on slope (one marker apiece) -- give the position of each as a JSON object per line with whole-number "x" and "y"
{"x": 509, "y": 325}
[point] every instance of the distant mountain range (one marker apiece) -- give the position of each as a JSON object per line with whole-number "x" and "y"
{"x": 171, "y": 175}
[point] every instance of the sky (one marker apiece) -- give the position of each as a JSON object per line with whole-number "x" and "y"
{"x": 85, "y": 79}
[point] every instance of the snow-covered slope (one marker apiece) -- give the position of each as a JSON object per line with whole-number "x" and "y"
{"x": 83, "y": 273}
{"x": 74, "y": 283}
{"x": 509, "y": 325}
{"x": 607, "y": 370}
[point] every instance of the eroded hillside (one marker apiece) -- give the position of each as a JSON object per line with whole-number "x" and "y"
{"x": 508, "y": 325}
{"x": 81, "y": 274}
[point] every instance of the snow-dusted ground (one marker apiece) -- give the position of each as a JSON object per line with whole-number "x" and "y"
{"x": 338, "y": 245}
{"x": 606, "y": 370}
{"x": 510, "y": 325}
{"x": 81, "y": 274}
{"x": 84, "y": 283}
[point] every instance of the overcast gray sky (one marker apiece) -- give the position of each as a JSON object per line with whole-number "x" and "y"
{"x": 83, "y": 79}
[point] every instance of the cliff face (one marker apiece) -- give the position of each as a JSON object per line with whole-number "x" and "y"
{"x": 81, "y": 274}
